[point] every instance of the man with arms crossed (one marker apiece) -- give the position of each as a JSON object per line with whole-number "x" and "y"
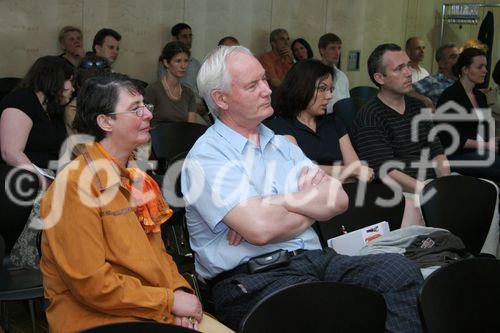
{"x": 250, "y": 193}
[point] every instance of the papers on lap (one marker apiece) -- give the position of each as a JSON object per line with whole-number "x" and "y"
{"x": 350, "y": 243}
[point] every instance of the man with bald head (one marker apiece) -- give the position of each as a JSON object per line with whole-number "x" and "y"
{"x": 415, "y": 49}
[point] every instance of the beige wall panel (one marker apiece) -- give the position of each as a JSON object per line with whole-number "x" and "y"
{"x": 29, "y": 30}
{"x": 301, "y": 18}
{"x": 248, "y": 21}
{"x": 362, "y": 25}
{"x": 347, "y": 20}
{"x": 144, "y": 26}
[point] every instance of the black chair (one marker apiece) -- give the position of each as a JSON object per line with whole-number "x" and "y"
{"x": 19, "y": 284}
{"x": 170, "y": 143}
{"x": 463, "y": 205}
{"x": 169, "y": 140}
{"x": 369, "y": 213}
{"x": 139, "y": 327}
{"x": 7, "y": 84}
{"x": 318, "y": 307}
{"x": 462, "y": 297}
{"x": 17, "y": 184}
{"x": 362, "y": 94}
{"x": 346, "y": 110}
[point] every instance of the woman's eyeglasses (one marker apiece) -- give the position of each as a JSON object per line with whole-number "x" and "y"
{"x": 94, "y": 64}
{"x": 139, "y": 111}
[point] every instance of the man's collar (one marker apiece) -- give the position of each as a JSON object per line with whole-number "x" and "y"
{"x": 239, "y": 141}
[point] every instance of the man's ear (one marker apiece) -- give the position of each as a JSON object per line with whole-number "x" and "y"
{"x": 219, "y": 99}
{"x": 379, "y": 78}
{"x": 105, "y": 123}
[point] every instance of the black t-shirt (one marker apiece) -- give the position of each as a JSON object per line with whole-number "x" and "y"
{"x": 381, "y": 134}
{"x": 321, "y": 146}
{"x": 47, "y": 133}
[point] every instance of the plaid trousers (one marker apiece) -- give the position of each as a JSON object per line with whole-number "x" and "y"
{"x": 392, "y": 275}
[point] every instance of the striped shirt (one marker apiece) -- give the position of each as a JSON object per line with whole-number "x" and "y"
{"x": 381, "y": 134}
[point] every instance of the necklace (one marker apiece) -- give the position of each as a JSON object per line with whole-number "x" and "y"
{"x": 170, "y": 93}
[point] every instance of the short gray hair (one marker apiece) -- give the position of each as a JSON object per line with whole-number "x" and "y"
{"x": 440, "y": 50}
{"x": 275, "y": 34}
{"x": 214, "y": 74}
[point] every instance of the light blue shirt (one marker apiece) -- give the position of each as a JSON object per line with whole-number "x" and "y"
{"x": 224, "y": 169}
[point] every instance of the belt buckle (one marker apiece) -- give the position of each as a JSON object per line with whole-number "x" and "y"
{"x": 295, "y": 253}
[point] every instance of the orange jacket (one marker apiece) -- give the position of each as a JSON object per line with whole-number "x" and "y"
{"x": 98, "y": 264}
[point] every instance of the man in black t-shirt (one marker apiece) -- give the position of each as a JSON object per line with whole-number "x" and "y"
{"x": 382, "y": 131}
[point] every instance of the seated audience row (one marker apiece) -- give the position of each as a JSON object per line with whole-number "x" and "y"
{"x": 92, "y": 276}
{"x": 252, "y": 194}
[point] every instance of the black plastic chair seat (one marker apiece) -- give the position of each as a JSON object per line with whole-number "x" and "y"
{"x": 462, "y": 297}
{"x": 463, "y": 205}
{"x": 318, "y": 307}
{"x": 20, "y": 284}
{"x": 139, "y": 327}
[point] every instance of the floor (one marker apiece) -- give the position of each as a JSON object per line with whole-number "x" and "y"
{"x": 19, "y": 319}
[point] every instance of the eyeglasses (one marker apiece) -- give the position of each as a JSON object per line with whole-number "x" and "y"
{"x": 94, "y": 64}
{"x": 139, "y": 111}
{"x": 323, "y": 89}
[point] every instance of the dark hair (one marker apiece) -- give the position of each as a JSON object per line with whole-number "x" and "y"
{"x": 48, "y": 75}
{"x": 465, "y": 59}
{"x": 172, "y": 49}
{"x": 99, "y": 95}
{"x": 328, "y": 38}
{"x": 102, "y": 34}
{"x": 176, "y": 29}
{"x": 375, "y": 60}
{"x": 304, "y": 43}
{"x": 440, "y": 50}
{"x": 496, "y": 73}
{"x": 91, "y": 65}
{"x": 299, "y": 87}
{"x": 224, "y": 39}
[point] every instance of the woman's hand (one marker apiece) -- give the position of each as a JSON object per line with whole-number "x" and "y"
{"x": 186, "y": 305}
{"x": 188, "y": 322}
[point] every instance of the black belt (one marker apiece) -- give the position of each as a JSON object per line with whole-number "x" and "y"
{"x": 243, "y": 269}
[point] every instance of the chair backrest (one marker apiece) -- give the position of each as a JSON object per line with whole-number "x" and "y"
{"x": 169, "y": 140}
{"x": 462, "y": 297}
{"x": 317, "y": 307}
{"x": 362, "y": 94}
{"x": 2, "y": 252}
{"x": 463, "y": 205}
{"x": 20, "y": 185}
{"x": 346, "y": 110}
{"x": 139, "y": 327}
{"x": 369, "y": 213}
{"x": 7, "y": 84}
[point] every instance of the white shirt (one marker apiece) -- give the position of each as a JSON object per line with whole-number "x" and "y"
{"x": 340, "y": 88}
{"x": 418, "y": 74}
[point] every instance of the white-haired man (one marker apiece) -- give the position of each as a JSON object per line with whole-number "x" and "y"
{"x": 252, "y": 194}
